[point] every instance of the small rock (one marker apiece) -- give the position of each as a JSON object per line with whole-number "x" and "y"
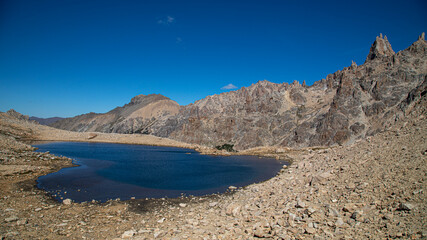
{"x": 92, "y": 135}
{"x": 158, "y": 233}
{"x": 262, "y": 230}
{"x": 11, "y": 219}
{"x": 232, "y": 188}
{"x": 350, "y": 186}
{"x": 339, "y": 222}
{"x": 309, "y": 211}
{"x": 280, "y": 150}
{"x": 357, "y": 215}
{"x": 333, "y": 212}
{"x": 128, "y": 234}
{"x": 11, "y": 234}
{"x": 182, "y": 205}
{"x": 37, "y": 209}
{"x": 349, "y": 207}
{"x": 388, "y": 216}
{"x": 213, "y": 204}
{"x": 233, "y": 209}
{"x": 310, "y": 230}
{"x": 405, "y": 207}
{"x": 300, "y": 204}
{"x": 161, "y": 220}
{"x": 67, "y": 201}
{"x": 417, "y": 192}
{"x": 22, "y": 222}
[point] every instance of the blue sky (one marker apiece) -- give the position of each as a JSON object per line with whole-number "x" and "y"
{"x": 68, "y": 57}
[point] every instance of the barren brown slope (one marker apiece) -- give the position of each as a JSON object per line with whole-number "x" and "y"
{"x": 348, "y": 105}
{"x": 134, "y": 117}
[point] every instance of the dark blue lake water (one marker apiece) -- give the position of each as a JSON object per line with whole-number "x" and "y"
{"x": 110, "y": 171}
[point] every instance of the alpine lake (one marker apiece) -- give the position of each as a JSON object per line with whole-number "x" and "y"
{"x": 110, "y": 171}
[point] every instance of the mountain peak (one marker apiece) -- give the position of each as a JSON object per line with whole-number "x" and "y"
{"x": 380, "y": 48}
{"x": 421, "y": 37}
{"x": 150, "y": 97}
{"x": 17, "y": 115}
{"x": 420, "y": 46}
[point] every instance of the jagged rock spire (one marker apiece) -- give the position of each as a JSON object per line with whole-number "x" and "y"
{"x": 420, "y": 46}
{"x": 380, "y": 48}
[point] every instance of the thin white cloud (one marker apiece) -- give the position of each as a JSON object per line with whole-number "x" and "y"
{"x": 229, "y": 86}
{"x": 166, "y": 20}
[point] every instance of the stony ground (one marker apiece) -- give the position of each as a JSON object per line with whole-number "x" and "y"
{"x": 373, "y": 189}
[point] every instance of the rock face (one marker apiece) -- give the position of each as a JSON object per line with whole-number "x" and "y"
{"x": 349, "y": 104}
{"x": 381, "y": 48}
{"x": 134, "y": 117}
{"x": 45, "y": 121}
{"x": 17, "y": 115}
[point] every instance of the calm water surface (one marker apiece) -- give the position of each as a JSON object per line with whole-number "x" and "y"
{"x": 110, "y": 171}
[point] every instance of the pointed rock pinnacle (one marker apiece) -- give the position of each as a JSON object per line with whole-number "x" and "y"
{"x": 380, "y": 48}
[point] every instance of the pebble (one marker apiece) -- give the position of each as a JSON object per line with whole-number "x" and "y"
{"x": 300, "y": 204}
{"x": 22, "y": 222}
{"x": 11, "y": 219}
{"x": 405, "y": 207}
{"x": 339, "y": 222}
{"x": 128, "y": 234}
{"x": 310, "y": 230}
{"x": 67, "y": 201}
{"x": 158, "y": 233}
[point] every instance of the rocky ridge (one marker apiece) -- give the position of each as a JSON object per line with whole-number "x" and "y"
{"x": 135, "y": 117}
{"x": 348, "y": 105}
{"x": 45, "y": 121}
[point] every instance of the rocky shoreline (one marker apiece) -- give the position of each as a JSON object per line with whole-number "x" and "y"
{"x": 373, "y": 188}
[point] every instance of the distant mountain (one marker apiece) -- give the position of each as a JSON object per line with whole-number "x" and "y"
{"x": 45, "y": 121}
{"x": 134, "y": 117}
{"x": 349, "y": 104}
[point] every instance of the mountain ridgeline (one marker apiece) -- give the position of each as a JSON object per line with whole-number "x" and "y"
{"x": 350, "y": 104}
{"x": 135, "y": 117}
